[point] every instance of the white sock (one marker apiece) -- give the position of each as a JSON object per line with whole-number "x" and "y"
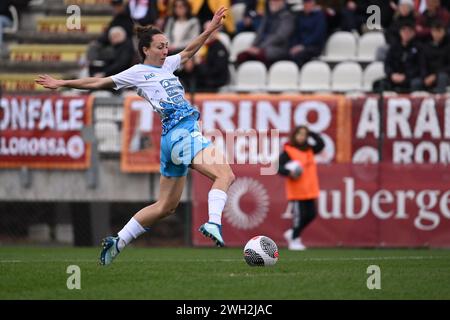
{"x": 216, "y": 203}
{"x": 131, "y": 231}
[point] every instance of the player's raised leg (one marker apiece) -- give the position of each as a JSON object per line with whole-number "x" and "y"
{"x": 211, "y": 163}
{"x": 171, "y": 189}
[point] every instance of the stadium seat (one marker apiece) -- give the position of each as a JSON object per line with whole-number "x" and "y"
{"x": 251, "y": 76}
{"x": 225, "y": 39}
{"x": 15, "y": 20}
{"x": 47, "y": 52}
{"x": 58, "y": 24}
{"x": 108, "y": 136}
{"x": 230, "y": 87}
{"x": 315, "y": 76}
{"x": 21, "y": 82}
{"x": 238, "y": 11}
{"x": 283, "y": 76}
{"x": 241, "y": 42}
{"x": 341, "y": 46}
{"x": 368, "y": 45}
{"x": 346, "y": 76}
{"x": 372, "y": 73}
{"x": 233, "y": 74}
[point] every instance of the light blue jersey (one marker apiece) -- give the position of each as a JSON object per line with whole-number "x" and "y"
{"x": 161, "y": 88}
{"x": 181, "y": 139}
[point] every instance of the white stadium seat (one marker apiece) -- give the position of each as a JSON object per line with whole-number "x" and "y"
{"x": 346, "y": 76}
{"x": 283, "y": 76}
{"x": 341, "y": 46}
{"x": 315, "y": 76}
{"x": 241, "y": 42}
{"x": 372, "y": 73}
{"x": 251, "y": 76}
{"x": 369, "y": 44}
{"x": 230, "y": 87}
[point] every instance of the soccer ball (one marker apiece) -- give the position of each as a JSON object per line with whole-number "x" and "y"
{"x": 261, "y": 251}
{"x": 295, "y": 167}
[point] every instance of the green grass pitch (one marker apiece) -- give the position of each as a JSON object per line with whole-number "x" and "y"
{"x": 221, "y": 273}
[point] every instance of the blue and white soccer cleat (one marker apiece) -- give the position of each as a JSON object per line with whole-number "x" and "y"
{"x": 213, "y": 231}
{"x": 109, "y": 250}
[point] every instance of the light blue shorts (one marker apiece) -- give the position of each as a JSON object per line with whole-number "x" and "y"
{"x": 180, "y": 145}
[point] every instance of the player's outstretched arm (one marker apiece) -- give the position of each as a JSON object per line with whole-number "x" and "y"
{"x": 197, "y": 43}
{"x": 84, "y": 83}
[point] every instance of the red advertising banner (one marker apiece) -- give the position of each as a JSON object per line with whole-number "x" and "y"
{"x": 414, "y": 129}
{"x": 271, "y": 118}
{"x": 241, "y": 124}
{"x": 359, "y": 205}
{"x": 44, "y": 131}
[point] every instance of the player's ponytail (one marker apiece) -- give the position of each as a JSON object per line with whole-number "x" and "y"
{"x": 145, "y": 36}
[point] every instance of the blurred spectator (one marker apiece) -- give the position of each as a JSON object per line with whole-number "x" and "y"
{"x": 204, "y": 11}
{"x": 421, "y": 5}
{"x": 120, "y": 56}
{"x": 181, "y": 28}
{"x": 310, "y": 34}
{"x": 5, "y": 18}
{"x": 254, "y": 11}
{"x": 402, "y": 66}
{"x": 101, "y": 50}
{"x": 433, "y": 12}
{"x": 144, "y": 12}
{"x": 435, "y": 60}
{"x": 354, "y": 15}
{"x": 332, "y": 10}
{"x": 404, "y": 14}
{"x": 211, "y": 65}
{"x": 121, "y": 18}
{"x": 273, "y": 36}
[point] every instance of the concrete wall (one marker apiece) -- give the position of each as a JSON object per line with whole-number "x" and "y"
{"x": 58, "y": 185}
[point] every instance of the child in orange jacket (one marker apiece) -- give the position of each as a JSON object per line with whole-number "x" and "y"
{"x": 298, "y": 165}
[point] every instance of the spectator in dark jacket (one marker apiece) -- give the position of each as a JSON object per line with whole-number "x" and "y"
{"x": 121, "y": 18}
{"x": 211, "y": 65}
{"x": 354, "y": 15}
{"x": 404, "y": 14}
{"x": 310, "y": 34}
{"x": 273, "y": 36}
{"x": 402, "y": 66}
{"x": 252, "y": 17}
{"x": 433, "y": 12}
{"x": 101, "y": 50}
{"x": 121, "y": 56}
{"x": 332, "y": 10}
{"x": 435, "y": 60}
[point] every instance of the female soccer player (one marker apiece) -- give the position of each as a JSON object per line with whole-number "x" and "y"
{"x": 297, "y": 163}
{"x": 182, "y": 144}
